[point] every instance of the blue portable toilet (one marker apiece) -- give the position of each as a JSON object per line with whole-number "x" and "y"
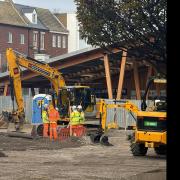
{"x": 38, "y": 104}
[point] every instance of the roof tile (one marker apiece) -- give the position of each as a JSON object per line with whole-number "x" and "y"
{"x": 24, "y": 9}
{"x": 12, "y": 17}
{"x": 13, "y": 14}
{"x": 50, "y": 21}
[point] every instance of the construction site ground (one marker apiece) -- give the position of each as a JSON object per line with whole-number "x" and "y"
{"x": 76, "y": 158}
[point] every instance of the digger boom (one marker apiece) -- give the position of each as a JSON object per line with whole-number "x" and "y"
{"x": 14, "y": 61}
{"x": 63, "y": 96}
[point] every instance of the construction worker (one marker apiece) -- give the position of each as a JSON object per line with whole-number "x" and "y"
{"x": 82, "y": 119}
{"x": 53, "y": 118}
{"x": 45, "y": 120}
{"x": 75, "y": 118}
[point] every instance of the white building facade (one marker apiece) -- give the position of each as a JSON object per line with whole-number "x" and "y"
{"x": 75, "y": 42}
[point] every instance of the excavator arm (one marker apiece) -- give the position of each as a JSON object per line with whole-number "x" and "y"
{"x": 122, "y": 104}
{"x": 14, "y": 61}
{"x": 15, "y": 80}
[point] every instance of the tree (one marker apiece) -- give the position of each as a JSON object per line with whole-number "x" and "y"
{"x": 137, "y": 25}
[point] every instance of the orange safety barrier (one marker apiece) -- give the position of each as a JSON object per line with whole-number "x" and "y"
{"x": 64, "y": 133}
{"x": 78, "y": 130}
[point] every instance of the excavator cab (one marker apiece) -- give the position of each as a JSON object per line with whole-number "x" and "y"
{"x": 75, "y": 95}
{"x": 159, "y": 101}
{"x": 81, "y": 95}
{"x": 151, "y": 122}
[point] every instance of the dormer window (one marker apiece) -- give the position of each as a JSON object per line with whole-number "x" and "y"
{"x": 31, "y": 14}
{"x": 34, "y": 18}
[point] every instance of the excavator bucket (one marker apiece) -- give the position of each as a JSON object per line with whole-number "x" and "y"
{"x": 27, "y": 131}
{"x": 3, "y": 124}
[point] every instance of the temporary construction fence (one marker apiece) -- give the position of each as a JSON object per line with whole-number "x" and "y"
{"x": 123, "y": 117}
{"x": 6, "y": 104}
{"x": 64, "y": 133}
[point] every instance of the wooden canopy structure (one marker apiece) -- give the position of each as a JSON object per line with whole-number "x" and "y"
{"x": 87, "y": 67}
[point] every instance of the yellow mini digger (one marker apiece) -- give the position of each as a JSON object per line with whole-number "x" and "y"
{"x": 151, "y": 130}
{"x": 150, "y": 124}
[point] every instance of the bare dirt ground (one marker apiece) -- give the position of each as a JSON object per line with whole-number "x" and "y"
{"x": 41, "y": 159}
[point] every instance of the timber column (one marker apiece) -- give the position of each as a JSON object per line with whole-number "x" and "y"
{"x": 121, "y": 75}
{"x": 108, "y": 76}
{"x": 136, "y": 80}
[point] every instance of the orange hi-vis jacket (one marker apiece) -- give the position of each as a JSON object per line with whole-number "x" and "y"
{"x": 53, "y": 115}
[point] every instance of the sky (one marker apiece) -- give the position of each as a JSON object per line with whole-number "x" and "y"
{"x": 61, "y": 5}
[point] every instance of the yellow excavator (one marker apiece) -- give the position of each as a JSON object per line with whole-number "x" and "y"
{"x": 62, "y": 95}
{"x": 150, "y": 122}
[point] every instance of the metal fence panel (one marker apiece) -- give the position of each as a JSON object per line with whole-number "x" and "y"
{"x": 6, "y": 104}
{"x": 121, "y": 115}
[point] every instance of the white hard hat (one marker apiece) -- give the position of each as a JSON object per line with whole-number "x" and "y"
{"x": 46, "y": 105}
{"x": 79, "y": 107}
{"x": 74, "y": 107}
{"x": 157, "y": 100}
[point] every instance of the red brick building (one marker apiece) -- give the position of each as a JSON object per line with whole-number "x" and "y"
{"x": 33, "y": 31}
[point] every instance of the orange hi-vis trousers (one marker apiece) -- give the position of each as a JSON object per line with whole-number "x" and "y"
{"x": 53, "y": 131}
{"x": 45, "y": 129}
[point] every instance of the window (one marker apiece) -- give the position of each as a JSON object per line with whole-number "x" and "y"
{"x": 21, "y": 38}
{"x": 9, "y": 37}
{"x": 59, "y": 42}
{"x": 64, "y": 42}
{"x": 35, "y": 38}
{"x": 34, "y": 18}
{"x": 54, "y": 41}
{"x": 42, "y": 40}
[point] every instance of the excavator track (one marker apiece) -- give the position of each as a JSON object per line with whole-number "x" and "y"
{"x": 3, "y": 123}
{"x": 27, "y": 130}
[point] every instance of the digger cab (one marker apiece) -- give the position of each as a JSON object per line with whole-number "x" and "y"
{"x": 76, "y": 95}
{"x": 153, "y": 116}
{"x": 151, "y": 124}
{"x": 159, "y": 101}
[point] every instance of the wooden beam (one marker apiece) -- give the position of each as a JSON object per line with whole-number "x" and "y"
{"x": 5, "y": 89}
{"x": 121, "y": 75}
{"x": 85, "y": 71}
{"x": 85, "y": 58}
{"x": 98, "y": 76}
{"x": 108, "y": 76}
{"x": 136, "y": 81}
{"x": 71, "y": 61}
